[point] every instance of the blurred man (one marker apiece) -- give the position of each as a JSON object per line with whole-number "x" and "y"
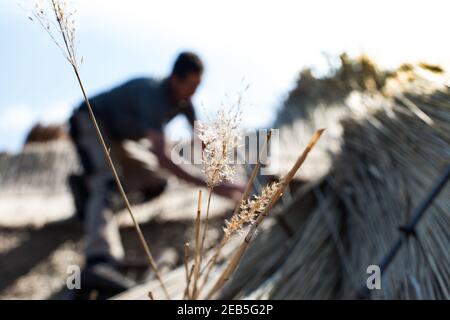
{"x": 138, "y": 109}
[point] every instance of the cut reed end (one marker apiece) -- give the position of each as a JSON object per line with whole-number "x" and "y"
{"x": 317, "y": 134}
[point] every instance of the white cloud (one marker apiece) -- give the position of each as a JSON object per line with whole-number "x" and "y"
{"x": 20, "y": 117}
{"x": 55, "y": 113}
{"x": 16, "y": 118}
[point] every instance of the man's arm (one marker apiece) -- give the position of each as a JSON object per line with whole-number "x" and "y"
{"x": 190, "y": 114}
{"x": 159, "y": 149}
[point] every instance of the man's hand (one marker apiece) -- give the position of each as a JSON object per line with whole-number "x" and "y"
{"x": 228, "y": 190}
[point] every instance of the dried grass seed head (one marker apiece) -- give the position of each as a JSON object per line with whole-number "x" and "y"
{"x": 250, "y": 209}
{"x": 220, "y": 137}
{"x": 58, "y": 18}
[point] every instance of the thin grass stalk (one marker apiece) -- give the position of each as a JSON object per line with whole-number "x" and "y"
{"x": 72, "y": 60}
{"x": 205, "y": 227}
{"x": 243, "y": 247}
{"x": 186, "y": 261}
{"x": 187, "y": 294}
{"x": 141, "y": 237}
{"x": 197, "y": 242}
{"x": 212, "y": 261}
{"x": 202, "y": 245}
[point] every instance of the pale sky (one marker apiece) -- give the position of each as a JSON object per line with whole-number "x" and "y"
{"x": 261, "y": 43}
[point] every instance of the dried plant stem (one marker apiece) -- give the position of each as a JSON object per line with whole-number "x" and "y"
{"x": 67, "y": 34}
{"x": 187, "y": 294}
{"x": 200, "y": 251}
{"x": 213, "y": 261}
{"x": 205, "y": 227}
{"x": 197, "y": 243}
{"x": 149, "y": 255}
{"x": 243, "y": 247}
{"x": 186, "y": 260}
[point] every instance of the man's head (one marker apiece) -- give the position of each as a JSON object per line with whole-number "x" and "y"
{"x": 186, "y": 76}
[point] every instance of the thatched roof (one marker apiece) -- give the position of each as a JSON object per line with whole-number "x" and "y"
{"x": 394, "y": 144}
{"x": 34, "y": 189}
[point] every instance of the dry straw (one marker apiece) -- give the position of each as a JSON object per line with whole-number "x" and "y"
{"x": 219, "y": 138}
{"x": 274, "y": 193}
{"x": 227, "y": 229}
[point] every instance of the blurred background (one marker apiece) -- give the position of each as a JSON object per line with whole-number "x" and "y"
{"x": 373, "y": 73}
{"x": 263, "y": 44}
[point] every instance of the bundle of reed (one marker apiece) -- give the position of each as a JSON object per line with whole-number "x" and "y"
{"x": 396, "y": 153}
{"x": 395, "y": 143}
{"x": 39, "y": 167}
{"x": 301, "y": 265}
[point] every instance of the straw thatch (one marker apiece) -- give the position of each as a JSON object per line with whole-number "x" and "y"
{"x": 34, "y": 189}
{"x": 390, "y": 142}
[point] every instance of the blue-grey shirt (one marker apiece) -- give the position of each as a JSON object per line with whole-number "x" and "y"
{"x": 130, "y": 110}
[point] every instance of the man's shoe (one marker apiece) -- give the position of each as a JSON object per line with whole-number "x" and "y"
{"x": 104, "y": 280}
